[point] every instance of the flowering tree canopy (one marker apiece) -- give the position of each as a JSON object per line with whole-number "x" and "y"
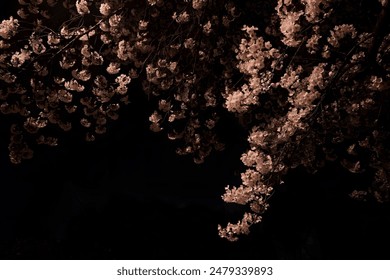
{"x": 309, "y": 80}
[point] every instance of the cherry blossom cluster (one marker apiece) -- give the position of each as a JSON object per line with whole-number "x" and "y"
{"x": 304, "y": 78}
{"x": 320, "y": 104}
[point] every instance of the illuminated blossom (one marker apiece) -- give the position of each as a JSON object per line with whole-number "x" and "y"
{"x": 105, "y": 9}
{"x": 82, "y": 7}
{"x": 8, "y": 28}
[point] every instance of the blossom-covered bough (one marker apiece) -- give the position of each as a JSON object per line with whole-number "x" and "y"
{"x": 307, "y": 79}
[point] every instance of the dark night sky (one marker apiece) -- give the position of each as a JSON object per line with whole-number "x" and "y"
{"x": 128, "y": 196}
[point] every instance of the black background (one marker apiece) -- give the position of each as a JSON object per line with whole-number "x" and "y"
{"x": 128, "y": 196}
